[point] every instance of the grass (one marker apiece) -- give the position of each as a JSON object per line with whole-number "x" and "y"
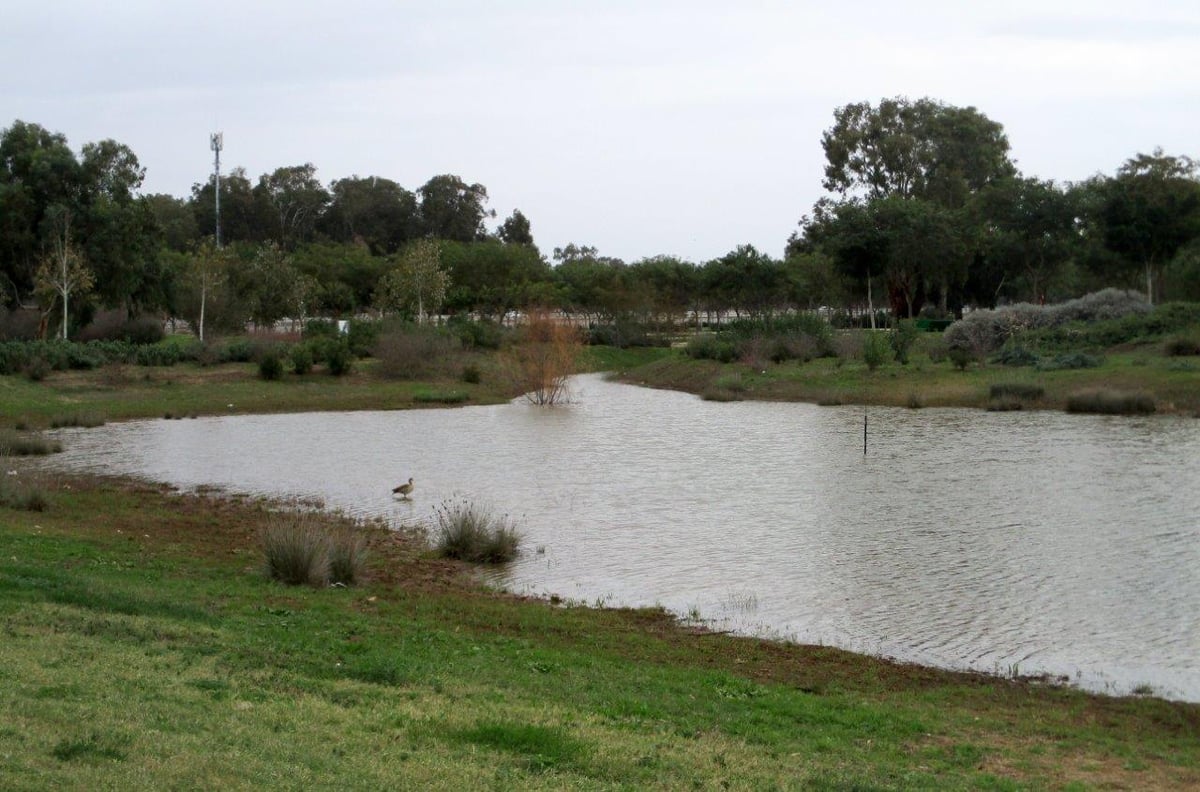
{"x": 468, "y": 532}
{"x": 147, "y": 651}
{"x": 13, "y": 443}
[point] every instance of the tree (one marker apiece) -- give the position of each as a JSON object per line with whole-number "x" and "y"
{"x": 515, "y": 230}
{"x": 296, "y": 199}
{"x": 914, "y": 149}
{"x": 1031, "y": 230}
{"x": 62, "y": 272}
{"x": 376, "y": 211}
{"x": 38, "y": 171}
{"x": 452, "y": 209}
{"x": 1150, "y": 211}
{"x": 175, "y": 219}
{"x": 209, "y": 270}
{"x": 492, "y": 278}
{"x": 416, "y": 283}
{"x": 278, "y": 290}
{"x": 746, "y": 281}
{"x": 245, "y": 217}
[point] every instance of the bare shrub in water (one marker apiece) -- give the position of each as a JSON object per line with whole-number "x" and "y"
{"x": 543, "y": 359}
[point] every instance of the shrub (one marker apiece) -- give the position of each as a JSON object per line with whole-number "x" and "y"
{"x": 240, "y": 350}
{"x": 37, "y": 369}
{"x": 158, "y": 355}
{"x": 985, "y": 331}
{"x": 471, "y": 374}
{"x": 1180, "y": 346}
{"x": 20, "y": 444}
{"x": 84, "y": 420}
{"x": 543, "y": 359}
{"x": 300, "y": 550}
{"x": 347, "y": 556}
{"x": 478, "y": 335}
{"x": 961, "y": 358}
{"x": 1015, "y": 355}
{"x": 415, "y": 351}
{"x": 361, "y": 335}
{"x": 270, "y": 365}
{"x": 1017, "y": 390}
{"x": 1110, "y": 402}
{"x": 710, "y": 346}
{"x": 296, "y": 550}
{"x": 302, "y": 358}
{"x": 1070, "y": 360}
{"x": 469, "y": 533}
{"x": 903, "y": 336}
{"x": 339, "y": 359}
{"x": 875, "y": 349}
{"x": 20, "y": 496}
{"x": 143, "y": 330}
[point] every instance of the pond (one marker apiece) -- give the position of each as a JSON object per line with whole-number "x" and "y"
{"x": 1030, "y": 543}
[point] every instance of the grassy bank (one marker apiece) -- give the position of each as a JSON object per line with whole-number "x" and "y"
{"x": 114, "y": 393}
{"x": 1173, "y": 385}
{"x": 147, "y": 650}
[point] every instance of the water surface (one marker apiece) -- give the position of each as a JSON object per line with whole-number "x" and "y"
{"x": 1003, "y": 542}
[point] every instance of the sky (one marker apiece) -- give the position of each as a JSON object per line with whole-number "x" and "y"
{"x": 641, "y": 128}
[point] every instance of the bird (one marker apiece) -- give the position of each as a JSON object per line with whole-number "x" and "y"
{"x": 403, "y": 489}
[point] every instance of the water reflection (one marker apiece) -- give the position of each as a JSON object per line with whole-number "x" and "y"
{"x": 1038, "y": 541}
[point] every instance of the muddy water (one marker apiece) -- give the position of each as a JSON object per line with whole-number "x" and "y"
{"x": 1004, "y": 542}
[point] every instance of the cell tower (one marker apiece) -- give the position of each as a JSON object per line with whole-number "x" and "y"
{"x": 217, "y": 142}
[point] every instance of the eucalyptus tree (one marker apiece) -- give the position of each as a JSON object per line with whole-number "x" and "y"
{"x": 452, "y": 209}
{"x": 1031, "y": 231}
{"x": 515, "y": 229}
{"x": 63, "y": 271}
{"x": 296, "y": 200}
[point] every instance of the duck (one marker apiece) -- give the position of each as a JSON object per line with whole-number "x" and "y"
{"x": 404, "y": 489}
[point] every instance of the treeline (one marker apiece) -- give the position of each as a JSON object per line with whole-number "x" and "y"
{"x": 926, "y": 213}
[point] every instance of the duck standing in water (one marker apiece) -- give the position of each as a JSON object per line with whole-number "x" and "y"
{"x": 404, "y": 489}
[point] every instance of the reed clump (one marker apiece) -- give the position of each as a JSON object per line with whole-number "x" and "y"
{"x": 1016, "y": 390}
{"x": 13, "y": 443}
{"x": 300, "y": 549}
{"x": 1106, "y": 401}
{"x": 23, "y": 497}
{"x": 468, "y": 532}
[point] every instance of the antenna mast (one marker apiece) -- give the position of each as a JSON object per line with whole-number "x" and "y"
{"x": 216, "y": 143}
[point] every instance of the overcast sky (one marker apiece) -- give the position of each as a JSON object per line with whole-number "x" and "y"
{"x": 642, "y": 128}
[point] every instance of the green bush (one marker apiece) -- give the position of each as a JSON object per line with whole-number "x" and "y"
{"x": 361, "y": 335}
{"x": 471, "y": 374}
{"x": 710, "y": 346}
{"x": 302, "y": 358}
{"x": 1015, "y": 355}
{"x": 270, "y": 365}
{"x": 875, "y": 349}
{"x": 1070, "y": 360}
{"x": 469, "y": 533}
{"x": 960, "y": 357}
{"x": 903, "y": 336}
{"x": 478, "y": 335}
{"x": 339, "y": 359}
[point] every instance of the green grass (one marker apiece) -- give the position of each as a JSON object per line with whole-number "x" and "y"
{"x": 147, "y": 651}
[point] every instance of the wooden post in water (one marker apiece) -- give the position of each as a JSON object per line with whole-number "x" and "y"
{"x": 864, "y": 433}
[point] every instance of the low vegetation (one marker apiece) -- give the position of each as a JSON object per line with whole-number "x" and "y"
{"x": 14, "y": 443}
{"x": 469, "y": 532}
{"x": 303, "y": 549}
{"x": 1110, "y": 402}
